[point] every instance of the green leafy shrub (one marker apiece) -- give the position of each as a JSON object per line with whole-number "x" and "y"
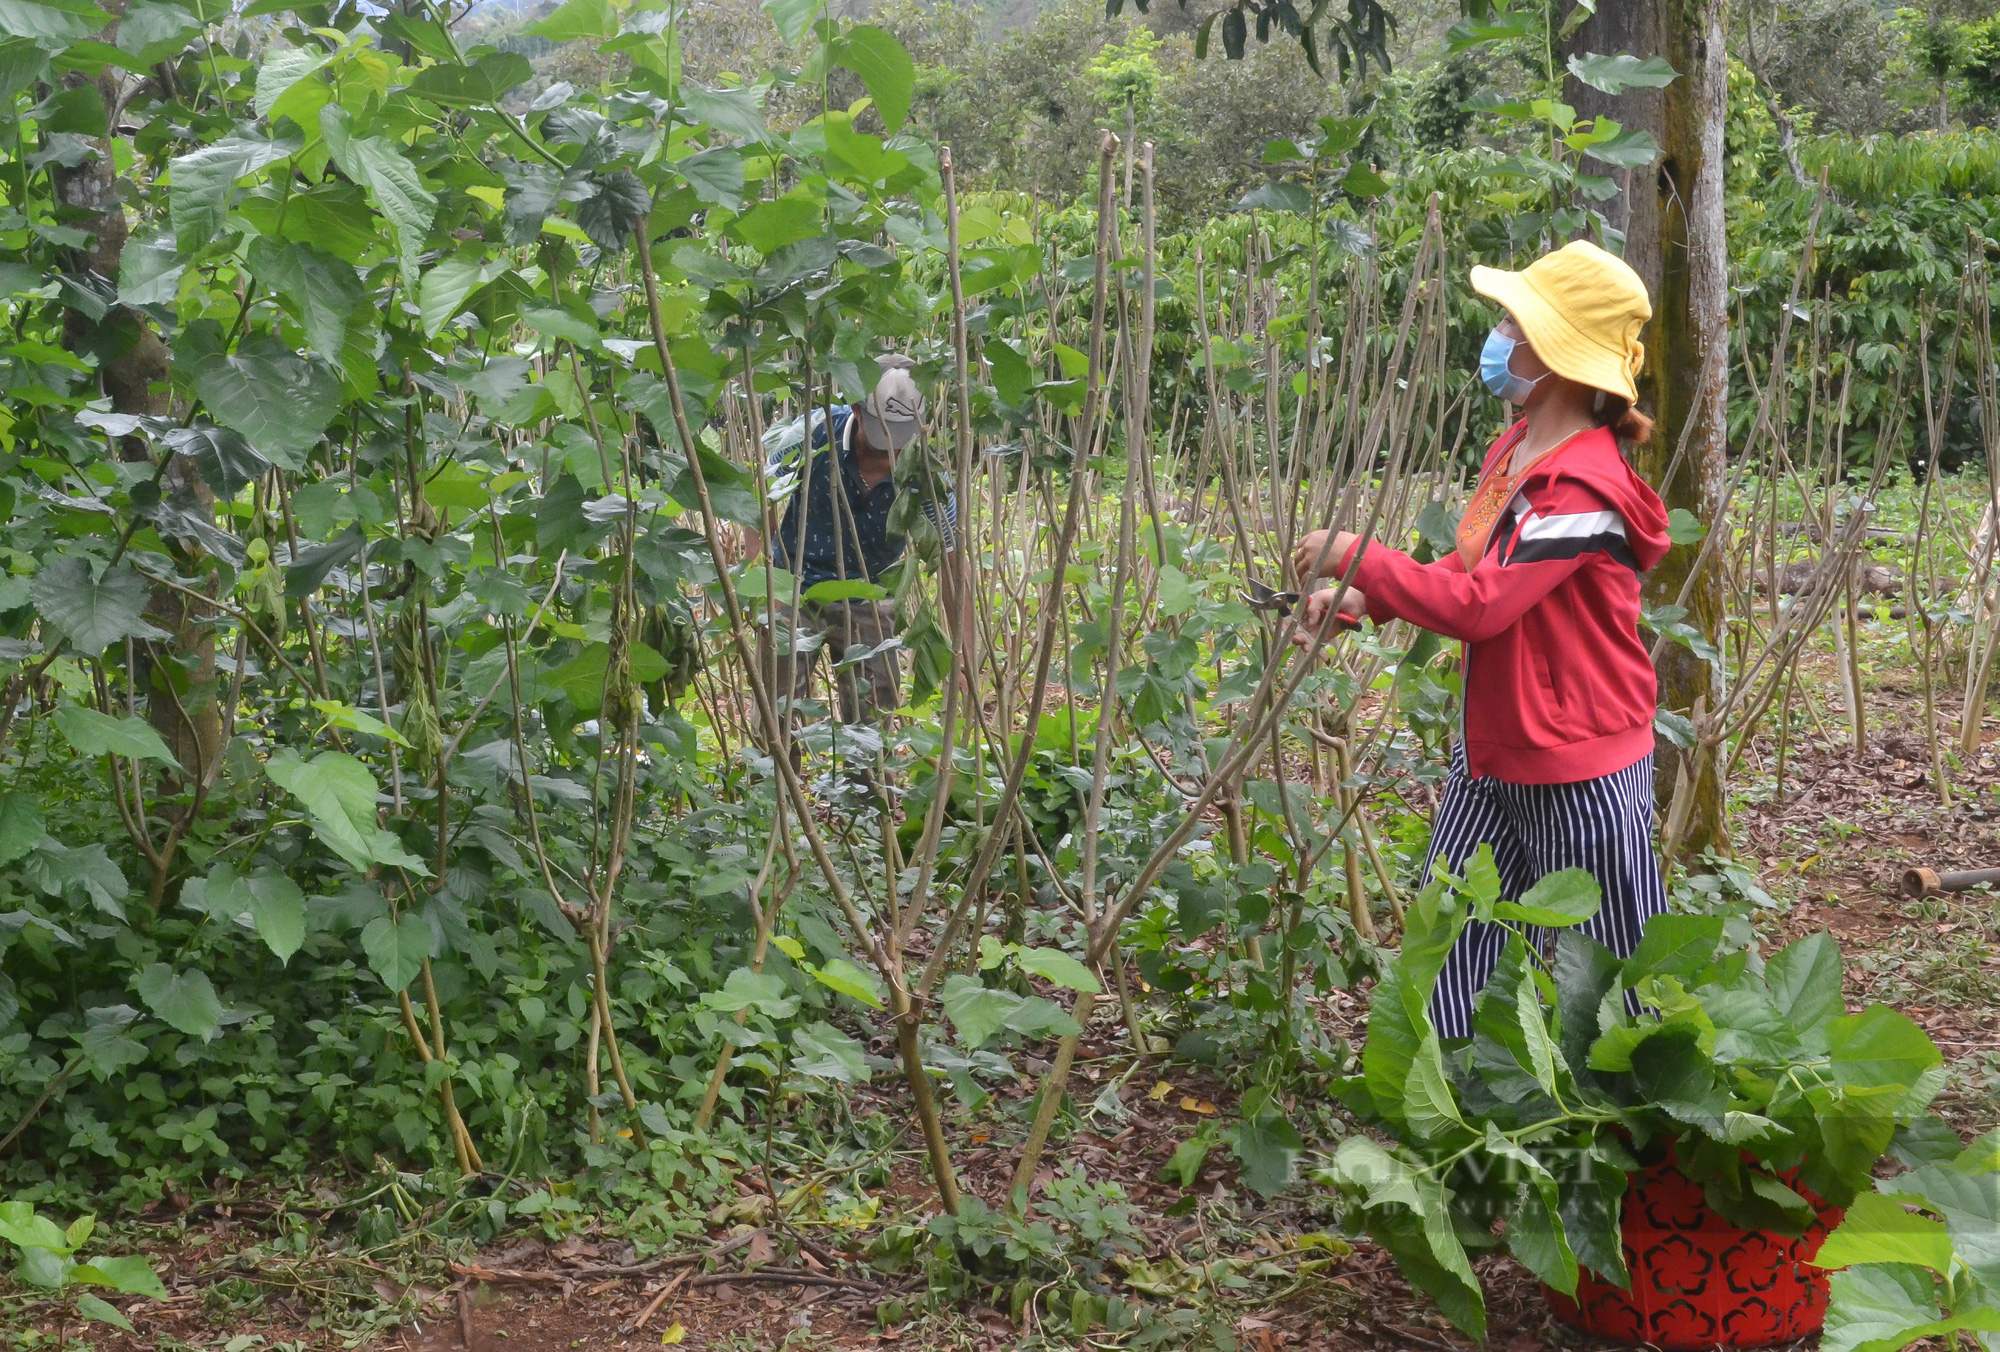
{"x": 1978, "y": 52}
{"x": 1916, "y": 1259}
{"x": 1058, "y": 1257}
{"x": 1750, "y": 1068}
{"x": 49, "y": 1262}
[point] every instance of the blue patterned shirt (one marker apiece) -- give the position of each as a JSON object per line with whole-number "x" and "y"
{"x": 846, "y": 539}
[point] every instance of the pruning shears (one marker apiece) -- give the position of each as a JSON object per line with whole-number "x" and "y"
{"x": 1282, "y": 603}
{"x": 1257, "y": 596}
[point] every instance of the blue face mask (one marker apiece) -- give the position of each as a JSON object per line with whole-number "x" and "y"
{"x": 1496, "y": 369}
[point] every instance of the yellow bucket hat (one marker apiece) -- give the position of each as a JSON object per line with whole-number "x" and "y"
{"x": 1581, "y": 310}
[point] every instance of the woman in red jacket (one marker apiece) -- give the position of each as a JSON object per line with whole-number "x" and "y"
{"x": 1554, "y": 765}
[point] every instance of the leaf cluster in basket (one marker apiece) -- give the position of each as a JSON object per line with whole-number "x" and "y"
{"x": 1521, "y": 1137}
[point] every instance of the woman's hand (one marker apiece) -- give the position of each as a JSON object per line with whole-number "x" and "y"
{"x": 1306, "y": 564}
{"x": 1312, "y": 614}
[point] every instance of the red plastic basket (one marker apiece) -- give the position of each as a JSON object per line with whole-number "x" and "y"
{"x": 1699, "y": 1282}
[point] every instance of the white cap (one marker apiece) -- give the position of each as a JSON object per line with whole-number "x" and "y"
{"x": 893, "y": 415}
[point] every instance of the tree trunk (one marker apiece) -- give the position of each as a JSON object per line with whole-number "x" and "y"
{"x": 1672, "y": 218}
{"x": 178, "y": 673}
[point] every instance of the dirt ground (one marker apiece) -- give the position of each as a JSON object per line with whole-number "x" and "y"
{"x": 1829, "y": 850}
{"x": 1836, "y": 845}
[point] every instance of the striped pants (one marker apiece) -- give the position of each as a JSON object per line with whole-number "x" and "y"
{"x": 1602, "y": 825}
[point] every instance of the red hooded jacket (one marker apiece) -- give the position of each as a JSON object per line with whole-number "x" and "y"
{"x": 1558, "y": 686}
